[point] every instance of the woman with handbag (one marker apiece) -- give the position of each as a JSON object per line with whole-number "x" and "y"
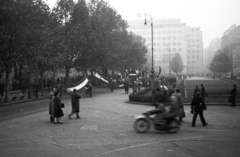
{"x": 196, "y": 108}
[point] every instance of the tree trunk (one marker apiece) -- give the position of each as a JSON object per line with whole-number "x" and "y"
{"x": 6, "y": 84}
{"x": 53, "y": 79}
{"x": 41, "y": 82}
{"x": 29, "y": 86}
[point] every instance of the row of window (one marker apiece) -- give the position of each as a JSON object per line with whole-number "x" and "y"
{"x": 167, "y": 62}
{"x": 193, "y": 40}
{"x": 167, "y": 50}
{"x": 160, "y": 32}
{"x": 193, "y": 57}
{"x": 165, "y": 44}
{"x": 165, "y": 38}
{"x": 193, "y": 51}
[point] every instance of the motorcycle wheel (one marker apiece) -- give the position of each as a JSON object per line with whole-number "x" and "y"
{"x": 174, "y": 127}
{"x": 141, "y": 125}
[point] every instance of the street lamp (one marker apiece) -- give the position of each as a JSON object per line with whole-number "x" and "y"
{"x": 145, "y": 23}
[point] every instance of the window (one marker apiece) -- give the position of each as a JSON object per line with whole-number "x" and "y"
{"x": 179, "y": 49}
{"x": 159, "y": 38}
{"x": 197, "y": 56}
{"x": 173, "y": 38}
{"x": 169, "y": 38}
{"x": 174, "y": 44}
{"x": 164, "y": 38}
{"x": 174, "y": 49}
{"x": 159, "y": 32}
{"x": 188, "y": 57}
{"x": 159, "y": 62}
{"x": 179, "y": 32}
{"x": 179, "y": 43}
{"x": 193, "y": 57}
{"x": 169, "y": 32}
{"x": 189, "y": 51}
{"x": 174, "y": 32}
{"x": 164, "y": 32}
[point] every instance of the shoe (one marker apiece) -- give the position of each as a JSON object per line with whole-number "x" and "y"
{"x": 78, "y": 117}
{"x": 69, "y": 117}
{"x": 59, "y": 122}
{"x": 205, "y": 124}
{"x": 193, "y": 125}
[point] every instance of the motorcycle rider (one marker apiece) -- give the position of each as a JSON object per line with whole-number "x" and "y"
{"x": 168, "y": 112}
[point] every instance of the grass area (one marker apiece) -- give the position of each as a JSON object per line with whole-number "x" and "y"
{"x": 217, "y": 90}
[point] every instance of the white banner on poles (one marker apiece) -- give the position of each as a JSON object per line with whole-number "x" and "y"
{"x": 99, "y": 77}
{"x": 80, "y": 86}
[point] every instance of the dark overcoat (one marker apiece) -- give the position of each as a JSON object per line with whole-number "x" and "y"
{"x": 75, "y": 102}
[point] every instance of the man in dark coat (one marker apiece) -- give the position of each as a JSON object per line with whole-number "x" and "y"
{"x": 196, "y": 108}
{"x": 126, "y": 86}
{"x": 75, "y": 104}
{"x": 196, "y": 90}
{"x": 233, "y": 95}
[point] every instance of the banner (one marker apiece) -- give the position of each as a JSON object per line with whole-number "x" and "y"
{"x": 79, "y": 86}
{"x": 99, "y": 77}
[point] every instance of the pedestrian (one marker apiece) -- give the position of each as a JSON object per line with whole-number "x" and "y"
{"x": 90, "y": 87}
{"x": 203, "y": 95}
{"x": 126, "y": 86}
{"x": 60, "y": 86}
{"x": 1, "y": 89}
{"x": 111, "y": 84}
{"x": 75, "y": 104}
{"x": 181, "y": 110}
{"x": 232, "y": 96}
{"x": 196, "y": 90}
{"x": 196, "y": 108}
{"x": 57, "y": 108}
{"x": 51, "y": 109}
{"x": 36, "y": 90}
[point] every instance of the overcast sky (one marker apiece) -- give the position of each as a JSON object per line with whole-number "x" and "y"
{"x": 213, "y": 16}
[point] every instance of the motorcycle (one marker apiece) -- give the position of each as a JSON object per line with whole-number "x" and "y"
{"x": 144, "y": 122}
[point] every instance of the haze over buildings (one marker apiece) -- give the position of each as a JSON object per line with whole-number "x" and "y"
{"x": 170, "y": 36}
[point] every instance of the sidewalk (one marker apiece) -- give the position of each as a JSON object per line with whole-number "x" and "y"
{"x": 45, "y": 96}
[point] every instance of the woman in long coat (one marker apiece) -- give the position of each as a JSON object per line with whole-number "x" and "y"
{"x": 58, "y": 113}
{"x": 75, "y": 104}
{"x": 51, "y": 109}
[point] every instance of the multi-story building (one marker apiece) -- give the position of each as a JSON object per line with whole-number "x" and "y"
{"x": 170, "y": 36}
{"x": 210, "y": 51}
{"x": 231, "y": 43}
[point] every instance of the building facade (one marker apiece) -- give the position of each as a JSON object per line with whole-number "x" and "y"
{"x": 231, "y": 43}
{"x": 170, "y": 36}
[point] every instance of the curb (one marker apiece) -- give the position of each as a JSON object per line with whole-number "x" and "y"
{"x": 185, "y": 104}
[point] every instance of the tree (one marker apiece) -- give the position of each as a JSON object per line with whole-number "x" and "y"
{"x": 176, "y": 64}
{"x": 221, "y": 63}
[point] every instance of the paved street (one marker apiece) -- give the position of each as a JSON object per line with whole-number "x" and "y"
{"x": 105, "y": 130}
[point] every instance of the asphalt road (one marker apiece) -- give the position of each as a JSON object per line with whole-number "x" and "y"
{"x": 105, "y": 130}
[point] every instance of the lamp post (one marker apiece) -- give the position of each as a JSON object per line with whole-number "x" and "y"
{"x": 151, "y": 23}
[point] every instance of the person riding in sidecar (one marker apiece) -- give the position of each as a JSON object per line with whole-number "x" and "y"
{"x": 170, "y": 111}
